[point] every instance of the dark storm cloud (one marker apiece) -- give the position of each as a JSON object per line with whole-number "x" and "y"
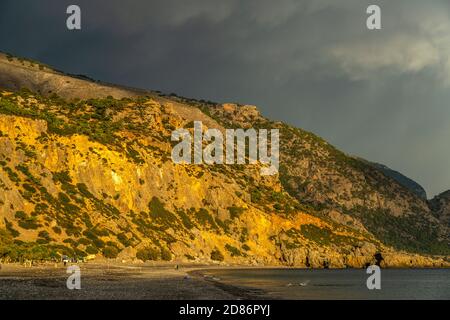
{"x": 381, "y": 94}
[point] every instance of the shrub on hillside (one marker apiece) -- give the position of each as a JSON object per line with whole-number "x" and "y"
{"x": 147, "y": 254}
{"x": 166, "y": 255}
{"x": 110, "y": 252}
{"x": 216, "y": 255}
{"x": 234, "y": 252}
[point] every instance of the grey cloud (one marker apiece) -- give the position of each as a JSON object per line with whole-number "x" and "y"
{"x": 380, "y": 95}
{"x": 418, "y": 40}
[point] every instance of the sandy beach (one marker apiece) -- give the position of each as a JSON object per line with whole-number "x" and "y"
{"x": 117, "y": 281}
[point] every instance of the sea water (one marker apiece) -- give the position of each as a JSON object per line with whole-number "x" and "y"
{"x": 340, "y": 284}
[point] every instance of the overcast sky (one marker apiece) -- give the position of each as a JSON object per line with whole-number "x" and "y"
{"x": 383, "y": 95}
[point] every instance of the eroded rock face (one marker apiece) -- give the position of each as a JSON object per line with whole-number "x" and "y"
{"x": 242, "y": 114}
{"x": 402, "y": 260}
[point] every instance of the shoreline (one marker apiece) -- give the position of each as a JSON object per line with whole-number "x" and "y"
{"x": 240, "y": 293}
{"x": 114, "y": 281}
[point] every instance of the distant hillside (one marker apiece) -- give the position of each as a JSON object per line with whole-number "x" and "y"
{"x": 403, "y": 180}
{"x": 441, "y": 207}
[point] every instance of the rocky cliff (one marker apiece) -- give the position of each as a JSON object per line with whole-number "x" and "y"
{"x": 85, "y": 169}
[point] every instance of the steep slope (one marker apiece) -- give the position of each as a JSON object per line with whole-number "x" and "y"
{"x": 95, "y": 176}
